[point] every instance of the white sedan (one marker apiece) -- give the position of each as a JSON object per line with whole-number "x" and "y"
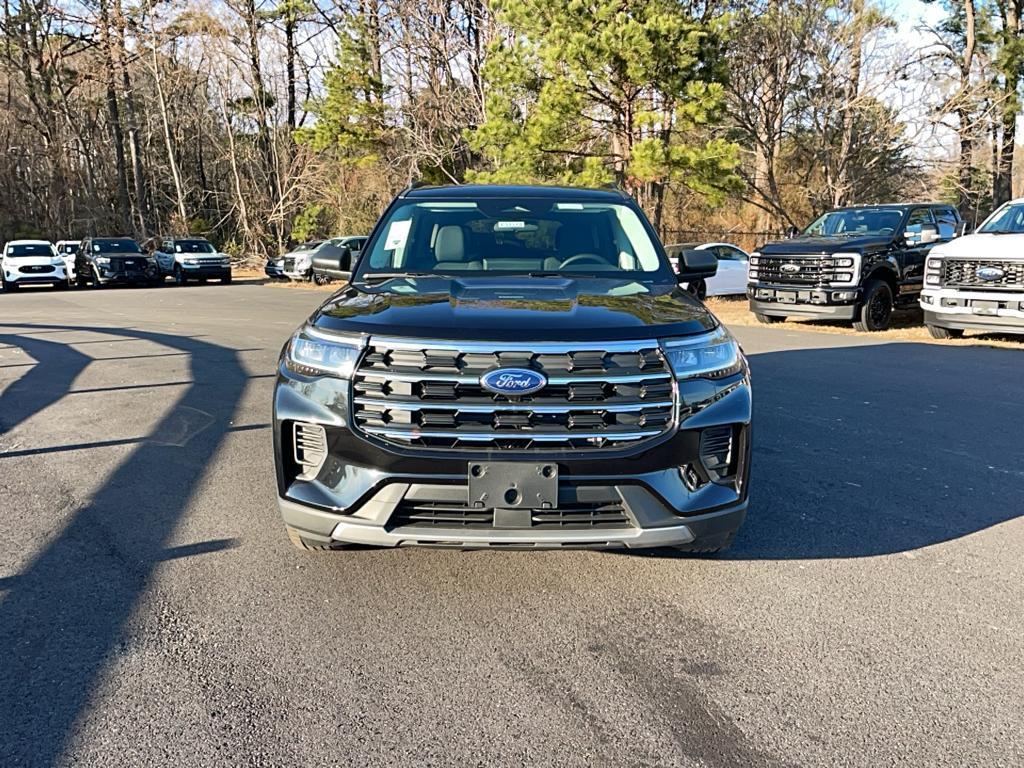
{"x": 731, "y": 277}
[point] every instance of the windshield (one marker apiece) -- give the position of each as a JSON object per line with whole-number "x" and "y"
{"x": 68, "y": 247}
{"x": 25, "y": 250}
{"x": 193, "y": 246}
{"x": 511, "y": 235}
{"x": 856, "y": 221}
{"x": 1009, "y": 218}
{"x": 120, "y": 245}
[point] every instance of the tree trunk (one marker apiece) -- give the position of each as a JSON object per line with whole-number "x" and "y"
{"x": 964, "y": 115}
{"x": 1011, "y": 66}
{"x": 841, "y": 188}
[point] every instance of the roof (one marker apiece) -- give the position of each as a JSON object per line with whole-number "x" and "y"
{"x": 29, "y": 242}
{"x": 463, "y": 191}
{"x": 897, "y": 206}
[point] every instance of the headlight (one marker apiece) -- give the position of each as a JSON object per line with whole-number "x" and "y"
{"x": 56, "y": 261}
{"x": 190, "y": 262}
{"x": 310, "y": 354}
{"x": 934, "y": 263}
{"x": 102, "y": 261}
{"x": 850, "y": 264}
{"x": 755, "y": 257}
{"x": 710, "y": 356}
{"x": 933, "y": 280}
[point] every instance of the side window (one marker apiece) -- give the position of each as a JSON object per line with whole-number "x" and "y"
{"x": 920, "y": 216}
{"x": 917, "y": 218}
{"x": 728, "y": 253}
{"x": 947, "y": 220}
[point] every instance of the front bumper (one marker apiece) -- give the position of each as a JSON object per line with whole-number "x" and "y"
{"x": 808, "y": 302}
{"x": 298, "y": 274}
{"x": 992, "y": 311}
{"x": 56, "y": 277}
{"x": 196, "y": 272}
{"x": 363, "y": 489}
{"x": 127, "y": 277}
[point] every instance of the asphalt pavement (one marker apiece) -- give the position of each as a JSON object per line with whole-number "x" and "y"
{"x": 152, "y": 611}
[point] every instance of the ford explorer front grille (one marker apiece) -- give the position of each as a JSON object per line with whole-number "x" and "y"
{"x": 993, "y": 274}
{"x": 428, "y": 394}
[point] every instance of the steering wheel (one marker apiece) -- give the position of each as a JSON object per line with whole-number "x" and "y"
{"x": 591, "y": 257}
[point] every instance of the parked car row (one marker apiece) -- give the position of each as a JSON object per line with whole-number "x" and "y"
{"x": 100, "y": 261}
{"x": 319, "y": 261}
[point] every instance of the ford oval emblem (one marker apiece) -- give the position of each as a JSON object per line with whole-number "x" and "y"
{"x": 989, "y": 273}
{"x": 513, "y": 382}
{"x": 790, "y": 268}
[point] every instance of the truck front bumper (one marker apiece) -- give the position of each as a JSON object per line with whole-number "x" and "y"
{"x": 992, "y": 311}
{"x": 808, "y": 302}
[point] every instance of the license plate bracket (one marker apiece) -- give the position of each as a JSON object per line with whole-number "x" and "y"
{"x": 512, "y": 485}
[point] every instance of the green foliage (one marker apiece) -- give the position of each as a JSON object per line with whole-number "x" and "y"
{"x": 589, "y": 92}
{"x": 352, "y": 116}
{"x": 314, "y": 222}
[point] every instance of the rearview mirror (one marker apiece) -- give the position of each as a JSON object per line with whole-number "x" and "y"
{"x": 697, "y": 265}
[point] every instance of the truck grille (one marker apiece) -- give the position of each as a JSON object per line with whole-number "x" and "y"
{"x": 809, "y": 270}
{"x": 424, "y": 394}
{"x": 964, "y": 273}
{"x": 36, "y": 269}
{"x": 288, "y": 265}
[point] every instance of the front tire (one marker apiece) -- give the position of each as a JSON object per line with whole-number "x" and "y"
{"x": 767, "y": 319}
{"x": 96, "y": 282}
{"x": 301, "y": 542}
{"x": 709, "y": 546}
{"x": 875, "y": 313}
{"x": 938, "y": 332}
{"x": 320, "y": 279}
{"x": 698, "y": 288}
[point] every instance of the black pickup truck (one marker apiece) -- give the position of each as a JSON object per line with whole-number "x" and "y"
{"x": 858, "y": 263}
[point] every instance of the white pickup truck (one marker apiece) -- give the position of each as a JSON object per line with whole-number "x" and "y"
{"x": 977, "y": 282}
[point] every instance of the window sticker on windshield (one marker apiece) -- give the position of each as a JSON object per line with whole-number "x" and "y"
{"x": 96, "y": 248}
{"x": 398, "y": 233}
{"x": 499, "y": 225}
{"x": 570, "y": 206}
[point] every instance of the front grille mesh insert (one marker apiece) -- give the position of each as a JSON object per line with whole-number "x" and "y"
{"x": 421, "y": 395}
{"x": 964, "y": 273}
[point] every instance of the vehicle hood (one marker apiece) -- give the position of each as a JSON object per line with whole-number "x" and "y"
{"x": 809, "y": 245}
{"x": 515, "y": 309}
{"x": 984, "y": 246}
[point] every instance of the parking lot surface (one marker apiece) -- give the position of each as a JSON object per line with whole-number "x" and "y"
{"x": 152, "y": 611}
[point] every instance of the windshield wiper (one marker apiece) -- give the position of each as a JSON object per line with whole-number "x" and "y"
{"x": 381, "y": 277}
{"x": 1000, "y": 232}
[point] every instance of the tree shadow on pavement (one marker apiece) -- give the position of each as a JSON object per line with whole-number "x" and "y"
{"x": 57, "y": 366}
{"x": 64, "y": 615}
{"x": 870, "y": 450}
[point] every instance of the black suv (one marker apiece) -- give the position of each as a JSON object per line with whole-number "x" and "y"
{"x": 514, "y": 367}
{"x": 855, "y": 263}
{"x": 102, "y": 261}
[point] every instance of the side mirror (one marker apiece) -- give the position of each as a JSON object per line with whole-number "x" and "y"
{"x": 922, "y": 234}
{"x": 697, "y": 265}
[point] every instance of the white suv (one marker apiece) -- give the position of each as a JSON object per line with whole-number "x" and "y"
{"x": 32, "y": 262}
{"x": 67, "y": 249}
{"x": 977, "y": 282}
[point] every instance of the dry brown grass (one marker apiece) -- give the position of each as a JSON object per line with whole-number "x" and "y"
{"x": 907, "y": 326}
